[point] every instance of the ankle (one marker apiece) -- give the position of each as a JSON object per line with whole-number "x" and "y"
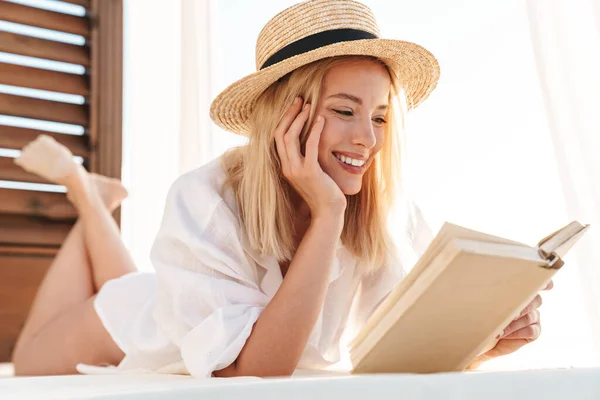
{"x": 75, "y": 179}
{"x": 80, "y": 198}
{"x": 79, "y": 190}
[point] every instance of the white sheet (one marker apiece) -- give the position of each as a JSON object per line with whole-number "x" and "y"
{"x": 6, "y": 370}
{"x": 580, "y": 384}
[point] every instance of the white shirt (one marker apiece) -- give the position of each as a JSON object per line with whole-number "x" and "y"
{"x": 194, "y": 315}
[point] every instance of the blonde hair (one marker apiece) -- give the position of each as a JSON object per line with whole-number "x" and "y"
{"x": 264, "y": 196}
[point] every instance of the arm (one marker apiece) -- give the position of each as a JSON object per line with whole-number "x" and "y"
{"x": 280, "y": 334}
{"x": 282, "y": 331}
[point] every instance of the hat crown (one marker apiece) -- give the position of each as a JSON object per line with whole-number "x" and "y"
{"x": 309, "y": 18}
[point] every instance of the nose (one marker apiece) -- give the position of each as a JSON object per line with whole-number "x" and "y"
{"x": 364, "y": 135}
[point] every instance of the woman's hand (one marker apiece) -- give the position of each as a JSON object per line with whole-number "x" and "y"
{"x": 524, "y": 329}
{"x": 304, "y": 173}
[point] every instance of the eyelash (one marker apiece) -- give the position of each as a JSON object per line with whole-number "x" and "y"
{"x": 349, "y": 114}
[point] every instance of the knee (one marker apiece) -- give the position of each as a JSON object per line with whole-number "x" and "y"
{"x": 23, "y": 362}
{"x": 18, "y": 358}
{"x": 19, "y": 366}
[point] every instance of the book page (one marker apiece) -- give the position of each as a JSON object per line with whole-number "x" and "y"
{"x": 447, "y": 233}
{"x": 465, "y": 288}
{"x": 562, "y": 240}
{"x": 470, "y": 291}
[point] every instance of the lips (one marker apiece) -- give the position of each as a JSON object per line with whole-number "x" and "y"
{"x": 353, "y": 169}
{"x": 351, "y": 159}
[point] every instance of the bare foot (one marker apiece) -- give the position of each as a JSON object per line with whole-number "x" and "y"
{"x": 47, "y": 158}
{"x": 111, "y": 190}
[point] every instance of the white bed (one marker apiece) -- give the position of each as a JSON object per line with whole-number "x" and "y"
{"x": 6, "y": 370}
{"x": 579, "y": 384}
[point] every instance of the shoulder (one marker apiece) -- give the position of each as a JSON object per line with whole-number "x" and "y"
{"x": 200, "y": 230}
{"x": 202, "y": 184}
{"x": 198, "y": 197}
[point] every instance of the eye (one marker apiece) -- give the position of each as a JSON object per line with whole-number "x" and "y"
{"x": 379, "y": 121}
{"x": 344, "y": 112}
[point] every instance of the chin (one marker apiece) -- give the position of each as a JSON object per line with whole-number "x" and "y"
{"x": 350, "y": 189}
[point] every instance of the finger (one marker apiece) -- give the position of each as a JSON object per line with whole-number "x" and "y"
{"x": 292, "y": 138}
{"x": 549, "y": 286}
{"x": 534, "y": 305}
{"x": 530, "y": 332}
{"x": 288, "y": 117}
{"x": 312, "y": 144}
{"x": 283, "y": 157}
{"x": 282, "y": 128}
{"x": 526, "y": 320}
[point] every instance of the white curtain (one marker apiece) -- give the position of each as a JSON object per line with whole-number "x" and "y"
{"x": 171, "y": 75}
{"x": 490, "y": 95}
{"x": 151, "y": 118}
{"x": 199, "y": 81}
{"x": 202, "y": 78}
{"x": 566, "y": 42}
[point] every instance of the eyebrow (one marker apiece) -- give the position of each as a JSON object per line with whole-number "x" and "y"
{"x": 355, "y": 99}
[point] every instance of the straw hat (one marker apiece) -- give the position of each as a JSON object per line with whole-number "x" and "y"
{"x": 317, "y": 29}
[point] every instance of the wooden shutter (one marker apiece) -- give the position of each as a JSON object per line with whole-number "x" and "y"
{"x": 35, "y": 219}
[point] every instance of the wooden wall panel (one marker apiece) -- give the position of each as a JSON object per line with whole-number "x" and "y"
{"x": 27, "y": 107}
{"x": 19, "y": 230}
{"x": 20, "y": 276}
{"x": 34, "y": 224}
{"x": 46, "y": 49}
{"x": 11, "y": 172}
{"x": 106, "y": 100}
{"x": 21, "y": 14}
{"x": 12, "y": 137}
{"x": 36, "y": 204}
{"x": 43, "y": 79}
{"x": 83, "y": 3}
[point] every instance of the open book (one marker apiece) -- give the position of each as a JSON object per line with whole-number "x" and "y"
{"x": 464, "y": 290}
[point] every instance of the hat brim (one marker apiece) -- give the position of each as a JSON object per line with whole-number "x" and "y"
{"x": 417, "y": 69}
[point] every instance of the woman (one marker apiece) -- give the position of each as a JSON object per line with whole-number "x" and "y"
{"x": 270, "y": 256}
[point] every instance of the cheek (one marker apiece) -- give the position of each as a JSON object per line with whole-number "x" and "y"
{"x": 332, "y": 136}
{"x": 380, "y": 135}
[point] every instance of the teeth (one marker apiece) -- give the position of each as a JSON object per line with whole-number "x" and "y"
{"x": 350, "y": 161}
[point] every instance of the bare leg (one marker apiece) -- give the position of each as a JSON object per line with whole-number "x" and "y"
{"x": 75, "y": 336}
{"x": 62, "y": 328}
{"x": 69, "y": 279}
{"x": 67, "y": 283}
{"x": 108, "y": 255}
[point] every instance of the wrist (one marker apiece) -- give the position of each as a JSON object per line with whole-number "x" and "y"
{"x": 331, "y": 211}
{"x": 326, "y": 221}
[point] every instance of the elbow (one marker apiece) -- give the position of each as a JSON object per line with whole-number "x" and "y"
{"x": 227, "y": 372}
{"x": 239, "y": 369}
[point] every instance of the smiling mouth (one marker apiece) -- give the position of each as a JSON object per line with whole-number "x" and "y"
{"x": 353, "y": 166}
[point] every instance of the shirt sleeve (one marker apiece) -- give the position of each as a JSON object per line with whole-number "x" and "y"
{"x": 208, "y": 296}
